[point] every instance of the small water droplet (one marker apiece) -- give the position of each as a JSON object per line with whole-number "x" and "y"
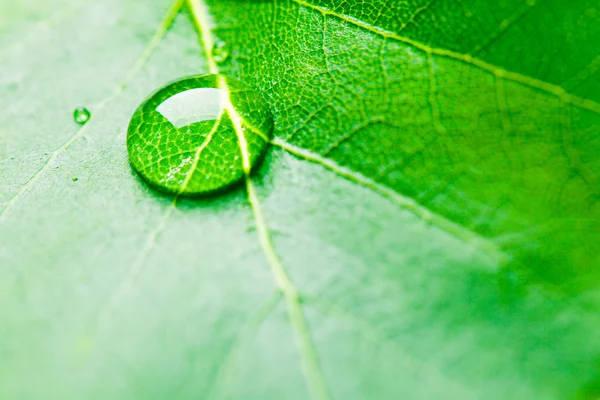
{"x": 220, "y": 52}
{"x": 81, "y": 115}
{"x": 192, "y": 136}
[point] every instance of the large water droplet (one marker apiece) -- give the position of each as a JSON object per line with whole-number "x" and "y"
{"x": 81, "y": 115}
{"x": 220, "y": 52}
{"x": 199, "y": 134}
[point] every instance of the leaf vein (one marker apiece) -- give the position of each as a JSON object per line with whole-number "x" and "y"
{"x": 135, "y": 268}
{"x": 140, "y": 62}
{"x": 460, "y": 232}
{"x": 312, "y": 370}
{"x": 249, "y": 329}
{"x": 504, "y": 25}
{"x": 465, "y": 58}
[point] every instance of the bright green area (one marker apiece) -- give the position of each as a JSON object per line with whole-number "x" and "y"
{"x": 425, "y": 225}
{"x": 184, "y": 138}
{"x": 81, "y": 115}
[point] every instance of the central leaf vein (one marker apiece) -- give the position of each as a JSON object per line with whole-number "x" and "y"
{"x": 312, "y": 370}
{"x": 465, "y": 58}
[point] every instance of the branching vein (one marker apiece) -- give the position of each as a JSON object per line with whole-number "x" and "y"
{"x": 465, "y": 58}
{"x": 310, "y": 363}
{"x": 141, "y": 61}
{"x": 227, "y": 367}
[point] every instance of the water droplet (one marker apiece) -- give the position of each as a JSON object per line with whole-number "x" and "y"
{"x": 81, "y": 115}
{"x": 220, "y": 52}
{"x": 199, "y": 134}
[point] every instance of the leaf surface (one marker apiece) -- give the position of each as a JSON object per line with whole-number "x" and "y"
{"x": 425, "y": 225}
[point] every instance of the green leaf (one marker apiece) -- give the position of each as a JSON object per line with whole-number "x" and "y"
{"x": 186, "y": 138}
{"x": 425, "y": 225}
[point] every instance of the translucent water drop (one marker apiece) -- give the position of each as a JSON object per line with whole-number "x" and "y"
{"x": 81, "y": 115}
{"x": 220, "y": 52}
{"x": 199, "y": 134}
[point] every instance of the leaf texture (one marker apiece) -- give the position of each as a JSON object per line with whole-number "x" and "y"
{"x": 424, "y": 226}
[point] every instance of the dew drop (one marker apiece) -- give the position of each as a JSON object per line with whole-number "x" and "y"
{"x": 81, "y": 115}
{"x": 220, "y": 52}
{"x": 193, "y": 135}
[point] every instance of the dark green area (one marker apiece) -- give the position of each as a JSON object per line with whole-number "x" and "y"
{"x": 508, "y": 159}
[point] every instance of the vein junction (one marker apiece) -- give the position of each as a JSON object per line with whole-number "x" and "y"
{"x": 465, "y": 58}
{"x": 137, "y": 66}
{"x": 311, "y": 368}
{"x": 199, "y": 10}
{"x": 200, "y": 14}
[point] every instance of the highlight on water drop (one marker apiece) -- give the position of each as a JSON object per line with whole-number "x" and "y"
{"x": 199, "y": 134}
